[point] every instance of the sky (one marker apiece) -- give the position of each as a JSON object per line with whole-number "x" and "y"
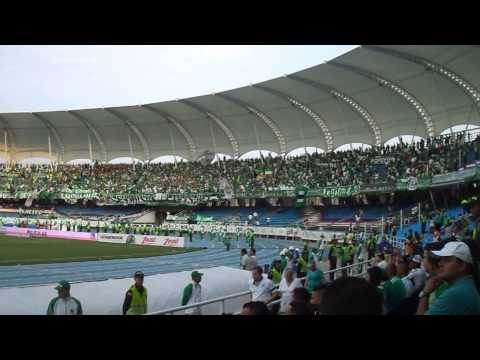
{"x": 47, "y": 78}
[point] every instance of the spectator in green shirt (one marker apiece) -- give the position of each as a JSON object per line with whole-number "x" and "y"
{"x": 276, "y": 272}
{"x": 371, "y": 246}
{"x": 431, "y": 266}
{"x": 303, "y": 264}
{"x": 345, "y": 255}
{"x": 375, "y": 277}
{"x": 394, "y": 290}
{"x": 315, "y": 277}
{"x": 458, "y": 268}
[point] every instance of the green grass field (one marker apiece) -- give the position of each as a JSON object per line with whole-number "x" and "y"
{"x": 18, "y": 250}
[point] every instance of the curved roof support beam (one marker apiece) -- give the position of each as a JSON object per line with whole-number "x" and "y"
{"x": 361, "y": 110}
{"x": 171, "y": 120}
{"x": 318, "y": 120}
{"x": 93, "y": 130}
{"x": 269, "y": 122}
{"x": 220, "y": 123}
{"x": 418, "y": 107}
{"x": 470, "y": 90}
{"x": 133, "y": 128}
{"x": 51, "y": 130}
{"x": 10, "y": 133}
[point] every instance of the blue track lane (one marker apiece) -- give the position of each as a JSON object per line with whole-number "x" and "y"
{"x": 214, "y": 255}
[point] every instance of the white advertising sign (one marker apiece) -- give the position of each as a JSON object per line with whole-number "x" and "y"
{"x": 170, "y": 241}
{"x": 112, "y": 238}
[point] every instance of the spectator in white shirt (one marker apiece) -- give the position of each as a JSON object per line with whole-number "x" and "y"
{"x": 243, "y": 259}
{"x": 260, "y": 286}
{"x": 285, "y": 289}
{"x": 379, "y": 261}
{"x": 253, "y": 259}
{"x": 417, "y": 275}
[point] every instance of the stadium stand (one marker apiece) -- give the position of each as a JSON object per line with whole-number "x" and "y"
{"x": 400, "y": 223}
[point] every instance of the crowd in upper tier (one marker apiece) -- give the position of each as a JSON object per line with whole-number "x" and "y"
{"x": 356, "y": 167}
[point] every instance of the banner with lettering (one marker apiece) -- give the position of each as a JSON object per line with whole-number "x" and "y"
{"x": 190, "y": 199}
{"x": 335, "y": 191}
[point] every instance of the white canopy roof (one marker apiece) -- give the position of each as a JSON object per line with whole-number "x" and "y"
{"x": 368, "y": 95}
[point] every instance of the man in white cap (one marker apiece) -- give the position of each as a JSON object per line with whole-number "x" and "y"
{"x": 456, "y": 267}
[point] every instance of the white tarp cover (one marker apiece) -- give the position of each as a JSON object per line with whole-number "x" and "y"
{"x": 106, "y": 297}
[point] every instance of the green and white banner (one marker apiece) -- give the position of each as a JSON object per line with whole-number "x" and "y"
{"x": 335, "y": 191}
{"x": 457, "y": 176}
{"x": 300, "y": 193}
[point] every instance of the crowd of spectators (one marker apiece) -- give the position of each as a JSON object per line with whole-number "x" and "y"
{"x": 441, "y": 277}
{"x": 355, "y": 167}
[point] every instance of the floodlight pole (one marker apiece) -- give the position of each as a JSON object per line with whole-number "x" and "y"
{"x": 383, "y": 225}
{"x": 6, "y": 146}
{"x": 131, "y": 147}
{"x": 401, "y": 219}
{"x": 419, "y": 215}
{"x": 90, "y": 147}
{"x": 49, "y": 146}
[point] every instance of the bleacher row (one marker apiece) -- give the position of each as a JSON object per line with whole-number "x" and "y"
{"x": 451, "y": 213}
{"x": 277, "y": 216}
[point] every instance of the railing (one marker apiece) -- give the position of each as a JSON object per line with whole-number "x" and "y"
{"x": 397, "y": 242}
{"x": 349, "y": 269}
{"x": 221, "y": 300}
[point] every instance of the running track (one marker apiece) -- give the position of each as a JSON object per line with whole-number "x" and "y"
{"x": 215, "y": 255}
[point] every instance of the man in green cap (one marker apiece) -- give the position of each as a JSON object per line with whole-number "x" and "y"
{"x": 64, "y": 304}
{"x": 135, "y": 302}
{"x": 192, "y": 294}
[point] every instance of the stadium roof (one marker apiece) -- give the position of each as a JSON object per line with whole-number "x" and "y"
{"x": 368, "y": 95}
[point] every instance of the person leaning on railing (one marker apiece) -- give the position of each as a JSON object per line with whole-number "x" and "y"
{"x": 285, "y": 290}
{"x": 260, "y": 286}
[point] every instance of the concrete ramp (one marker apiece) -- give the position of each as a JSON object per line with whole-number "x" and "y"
{"x": 106, "y": 297}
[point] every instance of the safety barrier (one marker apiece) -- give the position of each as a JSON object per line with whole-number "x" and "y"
{"x": 349, "y": 270}
{"x": 220, "y": 300}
